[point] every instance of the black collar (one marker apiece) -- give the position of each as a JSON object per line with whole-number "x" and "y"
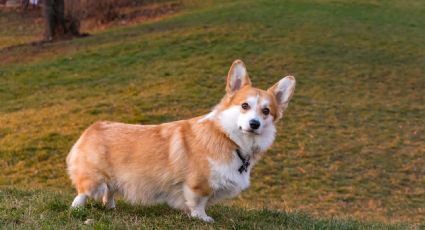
{"x": 245, "y": 162}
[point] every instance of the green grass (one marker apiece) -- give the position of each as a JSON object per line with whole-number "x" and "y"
{"x": 50, "y": 210}
{"x": 350, "y": 145}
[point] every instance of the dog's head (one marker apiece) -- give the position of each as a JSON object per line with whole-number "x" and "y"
{"x": 250, "y": 110}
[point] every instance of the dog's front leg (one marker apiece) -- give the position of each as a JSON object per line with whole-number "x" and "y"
{"x": 196, "y": 204}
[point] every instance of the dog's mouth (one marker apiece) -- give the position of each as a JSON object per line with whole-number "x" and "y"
{"x": 248, "y": 131}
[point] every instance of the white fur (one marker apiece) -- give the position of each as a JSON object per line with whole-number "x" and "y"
{"x": 79, "y": 201}
{"x": 248, "y": 142}
{"x": 252, "y": 101}
{"x": 158, "y": 183}
{"x": 244, "y": 118}
{"x": 209, "y": 116}
{"x": 265, "y": 103}
{"x": 196, "y": 204}
{"x": 99, "y": 192}
{"x": 226, "y": 181}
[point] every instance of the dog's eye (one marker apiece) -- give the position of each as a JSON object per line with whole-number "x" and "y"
{"x": 266, "y": 111}
{"x": 245, "y": 106}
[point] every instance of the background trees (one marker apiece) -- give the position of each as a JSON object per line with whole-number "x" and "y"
{"x": 63, "y": 17}
{"x": 57, "y": 23}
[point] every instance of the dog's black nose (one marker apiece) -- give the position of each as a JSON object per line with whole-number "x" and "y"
{"x": 254, "y": 124}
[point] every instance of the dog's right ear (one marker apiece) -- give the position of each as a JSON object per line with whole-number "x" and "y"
{"x": 237, "y": 77}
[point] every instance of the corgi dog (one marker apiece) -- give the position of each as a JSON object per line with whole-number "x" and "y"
{"x": 186, "y": 164}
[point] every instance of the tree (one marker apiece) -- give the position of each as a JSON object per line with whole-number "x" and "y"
{"x": 59, "y": 23}
{"x": 62, "y": 17}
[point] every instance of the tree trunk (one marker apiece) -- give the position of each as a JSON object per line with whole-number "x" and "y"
{"x": 57, "y": 24}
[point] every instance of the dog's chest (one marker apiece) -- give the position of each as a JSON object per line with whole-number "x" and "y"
{"x": 226, "y": 181}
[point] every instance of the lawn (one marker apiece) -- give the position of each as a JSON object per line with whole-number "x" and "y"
{"x": 351, "y": 144}
{"x": 38, "y": 209}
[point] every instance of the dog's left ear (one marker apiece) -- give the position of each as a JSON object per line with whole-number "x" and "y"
{"x": 237, "y": 77}
{"x": 283, "y": 91}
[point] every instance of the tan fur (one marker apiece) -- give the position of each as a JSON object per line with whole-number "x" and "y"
{"x": 145, "y": 162}
{"x": 246, "y": 91}
{"x": 176, "y": 152}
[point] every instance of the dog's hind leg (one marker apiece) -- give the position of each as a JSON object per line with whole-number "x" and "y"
{"x": 108, "y": 198}
{"x": 88, "y": 188}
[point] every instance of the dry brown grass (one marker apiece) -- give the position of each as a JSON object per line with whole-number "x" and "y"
{"x": 352, "y": 141}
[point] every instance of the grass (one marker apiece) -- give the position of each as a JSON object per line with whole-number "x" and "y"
{"x": 19, "y": 27}
{"x": 350, "y": 146}
{"x": 50, "y": 210}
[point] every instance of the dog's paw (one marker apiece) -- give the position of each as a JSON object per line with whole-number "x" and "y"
{"x": 204, "y": 217}
{"x": 207, "y": 219}
{"x": 79, "y": 201}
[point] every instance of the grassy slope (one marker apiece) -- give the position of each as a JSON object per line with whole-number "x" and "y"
{"x": 352, "y": 141}
{"x": 18, "y": 28}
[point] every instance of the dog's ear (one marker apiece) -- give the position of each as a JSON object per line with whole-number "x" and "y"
{"x": 237, "y": 77}
{"x": 283, "y": 91}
